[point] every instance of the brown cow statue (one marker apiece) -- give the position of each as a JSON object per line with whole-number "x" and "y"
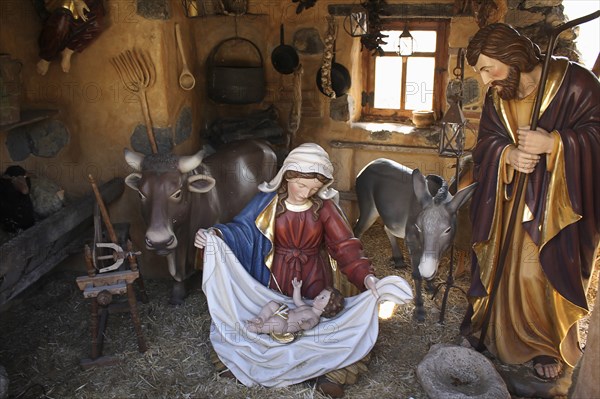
{"x": 181, "y": 194}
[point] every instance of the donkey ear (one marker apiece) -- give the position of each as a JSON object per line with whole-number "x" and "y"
{"x": 461, "y": 197}
{"x": 420, "y": 188}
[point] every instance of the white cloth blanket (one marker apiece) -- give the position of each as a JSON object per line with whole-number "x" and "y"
{"x": 234, "y": 296}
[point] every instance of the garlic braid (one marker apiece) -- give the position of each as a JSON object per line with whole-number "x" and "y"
{"x": 328, "y": 54}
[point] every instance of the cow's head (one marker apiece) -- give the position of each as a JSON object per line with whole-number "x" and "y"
{"x": 435, "y": 226}
{"x": 164, "y": 183}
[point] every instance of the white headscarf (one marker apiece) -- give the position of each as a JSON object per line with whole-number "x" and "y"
{"x": 306, "y": 158}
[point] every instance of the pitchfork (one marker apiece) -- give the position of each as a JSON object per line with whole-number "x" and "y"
{"x": 136, "y": 70}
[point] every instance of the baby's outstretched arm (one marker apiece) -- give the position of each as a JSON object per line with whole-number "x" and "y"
{"x": 297, "y": 295}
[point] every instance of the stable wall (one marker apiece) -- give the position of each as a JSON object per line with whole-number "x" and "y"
{"x": 100, "y": 115}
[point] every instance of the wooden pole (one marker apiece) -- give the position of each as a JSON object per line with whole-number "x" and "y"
{"x": 109, "y": 227}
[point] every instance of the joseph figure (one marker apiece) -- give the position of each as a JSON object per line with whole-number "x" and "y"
{"x": 541, "y": 294}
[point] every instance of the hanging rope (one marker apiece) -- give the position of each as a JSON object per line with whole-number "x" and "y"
{"x": 296, "y": 110}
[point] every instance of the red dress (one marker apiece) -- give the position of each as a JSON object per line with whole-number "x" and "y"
{"x": 302, "y": 245}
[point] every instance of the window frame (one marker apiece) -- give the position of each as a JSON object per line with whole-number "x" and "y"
{"x": 441, "y": 26}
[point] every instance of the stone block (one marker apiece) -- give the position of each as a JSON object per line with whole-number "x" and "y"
{"x": 153, "y": 9}
{"x": 48, "y": 138}
{"x": 183, "y": 126}
{"x": 17, "y": 144}
{"x": 521, "y": 19}
{"x": 308, "y": 41}
{"x": 456, "y": 372}
{"x": 44, "y": 139}
{"x": 340, "y": 108}
{"x": 140, "y": 143}
{"x": 541, "y": 3}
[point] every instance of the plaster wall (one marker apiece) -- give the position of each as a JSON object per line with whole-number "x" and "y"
{"x": 100, "y": 114}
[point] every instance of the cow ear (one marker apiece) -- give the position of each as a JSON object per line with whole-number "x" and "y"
{"x": 461, "y": 197}
{"x": 133, "y": 159}
{"x": 200, "y": 183}
{"x": 420, "y": 187}
{"x": 133, "y": 181}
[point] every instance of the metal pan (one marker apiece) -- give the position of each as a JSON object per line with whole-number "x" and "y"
{"x": 284, "y": 57}
{"x": 340, "y": 79}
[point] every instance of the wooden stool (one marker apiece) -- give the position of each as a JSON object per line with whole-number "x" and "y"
{"x": 100, "y": 288}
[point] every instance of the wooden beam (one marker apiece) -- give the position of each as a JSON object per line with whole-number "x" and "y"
{"x": 434, "y": 10}
{"x": 357, "y": 145}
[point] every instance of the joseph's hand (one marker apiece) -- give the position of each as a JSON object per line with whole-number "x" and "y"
{"x": 522, "y": 161}
{"x": 536, "y": 141}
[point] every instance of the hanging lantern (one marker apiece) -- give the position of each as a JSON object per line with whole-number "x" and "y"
{"x": 356, "y": 24}
{"x": 405, "y": 43}
{"x": 452, "y": 136}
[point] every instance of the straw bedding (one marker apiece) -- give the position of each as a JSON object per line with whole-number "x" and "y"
{"x": 46, "y": 332}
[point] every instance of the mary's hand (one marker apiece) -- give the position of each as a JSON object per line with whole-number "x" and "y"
{"x": 371, "y": 284}
{"x": 200, "y": 239}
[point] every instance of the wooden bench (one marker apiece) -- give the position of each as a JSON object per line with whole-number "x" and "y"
{"x": 37, "y": 250}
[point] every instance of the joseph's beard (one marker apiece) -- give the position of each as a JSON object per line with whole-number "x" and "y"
{"x": 509, "y": 86}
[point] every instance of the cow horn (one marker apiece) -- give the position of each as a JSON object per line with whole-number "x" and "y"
{"x": 189, "y": 163}
{"x": 134, "y": 159}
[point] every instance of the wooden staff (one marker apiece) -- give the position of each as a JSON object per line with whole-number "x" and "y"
{"x": 522, "y": 178}
{"x": 109, "y": 227}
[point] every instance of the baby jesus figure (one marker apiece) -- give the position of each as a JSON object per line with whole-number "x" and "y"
{"x": 285, "y": 325}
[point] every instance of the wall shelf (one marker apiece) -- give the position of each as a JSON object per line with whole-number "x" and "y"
{"x": 29, "y": 116}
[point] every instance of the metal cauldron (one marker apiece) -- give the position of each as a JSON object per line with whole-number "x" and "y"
{"x": 233, "y": 79}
